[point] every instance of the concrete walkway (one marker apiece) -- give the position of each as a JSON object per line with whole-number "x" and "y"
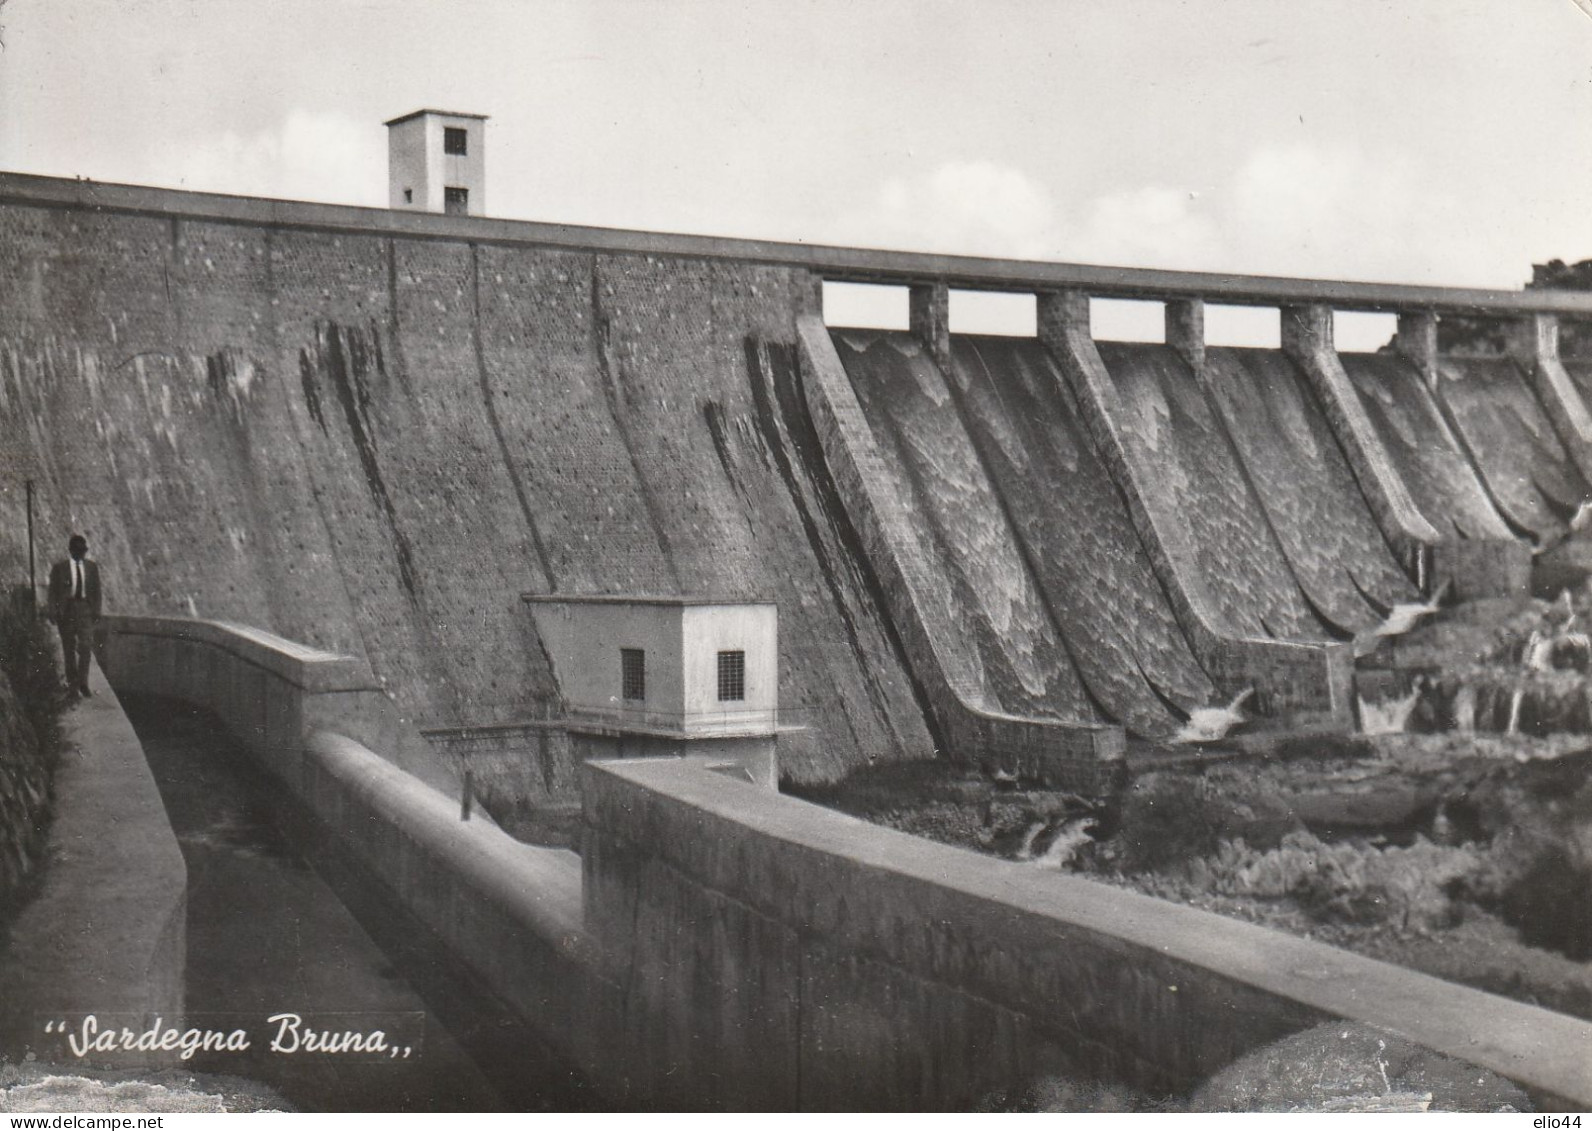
{"x": 106, "y": 934}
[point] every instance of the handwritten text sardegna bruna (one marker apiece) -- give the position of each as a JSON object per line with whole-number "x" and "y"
{"x": 291, "y": 1035}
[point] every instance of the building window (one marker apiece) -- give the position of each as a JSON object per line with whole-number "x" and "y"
{"x": 633, "y": 674}
{"x": 732, "y": 677}
{"x": 456, "y": 201}
{"x": 409, "y": 196}
{"x": 454, "y": 140}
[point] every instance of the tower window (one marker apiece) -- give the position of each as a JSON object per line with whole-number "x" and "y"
{"x": 409, "y": 196}
{"x": 633, "y": 674}
{"x": 456, "y": 201}
{"x": 455, "y": 140}
{"x": 732, "y": 677}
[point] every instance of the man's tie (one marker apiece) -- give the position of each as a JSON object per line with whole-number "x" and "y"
{"x": 77, "y": 579}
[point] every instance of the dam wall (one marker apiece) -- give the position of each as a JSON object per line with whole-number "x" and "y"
{"x": 375, "y": 441}
{"x": 372, "y": 431}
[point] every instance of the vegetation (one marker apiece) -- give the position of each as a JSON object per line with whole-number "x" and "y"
{"x": 31, "y": 705}
{"x": 1468, "y": 334}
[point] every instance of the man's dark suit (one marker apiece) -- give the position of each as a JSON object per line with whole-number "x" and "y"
{"x": 75, "y": 617}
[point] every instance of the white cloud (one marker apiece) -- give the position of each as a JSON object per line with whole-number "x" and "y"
{"x": 1343, "y": 212}
{"x": 967, "y": 208}
{"x": 310, "y": 155}
{"x": 983, "y": 208}
{"x": 1152, "y": 226}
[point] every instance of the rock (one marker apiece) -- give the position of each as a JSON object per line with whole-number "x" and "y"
{"x": 1377, "y": 805}
{"x": 1344, "y": 1066}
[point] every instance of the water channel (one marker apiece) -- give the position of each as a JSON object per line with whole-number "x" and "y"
{"x": 280, "y": 922}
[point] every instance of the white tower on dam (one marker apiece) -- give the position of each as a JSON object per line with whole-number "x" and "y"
{"x": 436, "y": 162}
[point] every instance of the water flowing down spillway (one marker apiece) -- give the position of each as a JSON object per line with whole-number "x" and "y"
{"x": 1173, "y": 433}
{"x": 1075, "y": 532}
{"x": 1522, "y": 463}
{"x": 1316, "y": 508}
{"x": 1004, "y": 624}
{"x": 1580, "y": 371}
{"x": 1425, "y": 453}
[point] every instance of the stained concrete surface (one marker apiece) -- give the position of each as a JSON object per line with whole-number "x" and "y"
{"x": 1322, "y": 521}
{"x": 1074, "y": 532}
{"x": 1201, "y": 486}
{"x": 1530, "y": 477}
{"x": 937, "y": 474}
{"x": 1422, "y": 448}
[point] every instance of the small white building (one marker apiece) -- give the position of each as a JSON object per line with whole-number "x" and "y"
{"x": 689, "y": 676}
{"x": 436, "y": 162}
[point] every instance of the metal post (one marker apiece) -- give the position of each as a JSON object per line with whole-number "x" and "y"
{"x": 33, "y": 585}
{"x": 467, "y": 796}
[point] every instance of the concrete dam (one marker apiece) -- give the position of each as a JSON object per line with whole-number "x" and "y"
{"x": 374, "y": 439}
{"x": 355, "y": 441}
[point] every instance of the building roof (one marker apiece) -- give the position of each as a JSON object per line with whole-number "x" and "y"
{"x": 439, "y": 113}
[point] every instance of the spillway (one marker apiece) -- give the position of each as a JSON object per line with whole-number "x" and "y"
{"x": 1327, "y": 531}
{"x": 1074, "y": 531}
{"x": 1422, "y": 448}
{"x": 1005, "y": 623}
{"x": 1530, "y": 478}
{"x": 1172, "y": 427}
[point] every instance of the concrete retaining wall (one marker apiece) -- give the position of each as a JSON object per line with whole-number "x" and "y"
{"x": 531, "y": 764}
{"x": 510, "y": 911}
{"x": 787, "y": 956}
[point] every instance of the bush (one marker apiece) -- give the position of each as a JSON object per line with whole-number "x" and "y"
{"x": 1347, "y": 882}
{"x": 1171, "y": 821}
{"x": 30, "y": 719}
{"x": 29, "y": 664}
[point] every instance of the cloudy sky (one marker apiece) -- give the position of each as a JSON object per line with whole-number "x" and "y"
{"x": 1429, "y": 141}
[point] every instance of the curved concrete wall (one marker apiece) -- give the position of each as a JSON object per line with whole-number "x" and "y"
{"x": 1297, "y": 677}
{"x": 372, "y": 430}
{"x": 510, "y": 911}
{"x": 271, "y": 691}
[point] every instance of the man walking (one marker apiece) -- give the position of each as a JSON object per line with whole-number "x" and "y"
{"x": 75, "y": 609}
